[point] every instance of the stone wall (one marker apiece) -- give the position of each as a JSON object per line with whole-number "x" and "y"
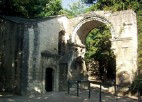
{"x": 43, "y": 38}
{"x": 11, "y": 51}
{"x": 26, "y": 40}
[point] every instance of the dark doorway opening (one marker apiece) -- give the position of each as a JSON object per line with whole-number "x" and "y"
{"x": 49, "y": 79}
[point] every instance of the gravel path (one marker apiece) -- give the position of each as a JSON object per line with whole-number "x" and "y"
{"x": 64, "y": 97}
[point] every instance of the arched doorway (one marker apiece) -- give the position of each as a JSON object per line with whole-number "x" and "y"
{"x": 49, "y": 79}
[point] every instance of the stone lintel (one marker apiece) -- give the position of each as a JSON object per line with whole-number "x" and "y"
{"x": 49, "y": 54}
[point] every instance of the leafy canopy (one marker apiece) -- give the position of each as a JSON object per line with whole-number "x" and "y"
{"x": 75, "y": 9}
{"x": 30, "y": 8}
{"x": 98, "y": 46}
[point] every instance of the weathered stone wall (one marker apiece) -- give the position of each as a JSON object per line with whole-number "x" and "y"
{"x": 43, "y": 38}
{"x": 125, "y": 45}
{"x": 11, "y": 51}
{"x": 31, "y": 38}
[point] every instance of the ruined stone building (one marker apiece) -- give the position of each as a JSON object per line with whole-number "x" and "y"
{"x": 40, "y": 55}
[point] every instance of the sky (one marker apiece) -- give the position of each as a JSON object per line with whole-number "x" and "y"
{"x": 65, "y": 3}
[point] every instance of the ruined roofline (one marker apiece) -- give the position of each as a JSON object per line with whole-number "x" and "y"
{"x": 106, "y": 12}
{"x": 113, "y": 12}
{"x": 21, "y": 20}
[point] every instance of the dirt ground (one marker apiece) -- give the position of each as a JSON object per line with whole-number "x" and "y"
{"x": 65, "y": 97}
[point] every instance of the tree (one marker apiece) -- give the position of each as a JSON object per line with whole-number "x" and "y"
{"x": 139, "y": 20}
{"x": 75, "y": 9}
{"x": 89, "y": 1}
{"x": 115, "y": 5}
{"x": 99, "y": 48}
{"x": 30, "y": 8}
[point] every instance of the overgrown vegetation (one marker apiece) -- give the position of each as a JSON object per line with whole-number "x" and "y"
{"x": 30, "y": 8}
{"x": 98, "y": 46}
{"x": 75, "y": 9}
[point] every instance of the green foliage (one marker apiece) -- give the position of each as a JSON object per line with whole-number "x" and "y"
{"x": 99, "y": 48}
{"x": 115, "y": 5}
{"x": 139, "y": 22}
{"x": 137, "y": 84}
{"x": 89, "y": 1}
{"x": 97, "y": 41}
{"x": 74, "y": 10}
{"x": 31, "y": 8}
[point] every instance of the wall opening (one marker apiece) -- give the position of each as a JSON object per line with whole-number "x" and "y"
{"x": 49, "y": 79}
{"x": 100, "y": 58}
{"x": 81, "y": 32}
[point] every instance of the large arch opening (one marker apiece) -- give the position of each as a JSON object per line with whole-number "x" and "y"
{"x": 100, "y": 58}
{"x": 49, "y": 79}
{"x": 82, "y": 31}
{"x": 87, "y": 24}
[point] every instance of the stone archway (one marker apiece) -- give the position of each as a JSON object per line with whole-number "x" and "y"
{"x": 87, "y": 24}
{"x": 123, "y": 32}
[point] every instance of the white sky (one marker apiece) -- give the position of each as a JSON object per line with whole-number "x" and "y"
{"x": 65, "y": 3}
